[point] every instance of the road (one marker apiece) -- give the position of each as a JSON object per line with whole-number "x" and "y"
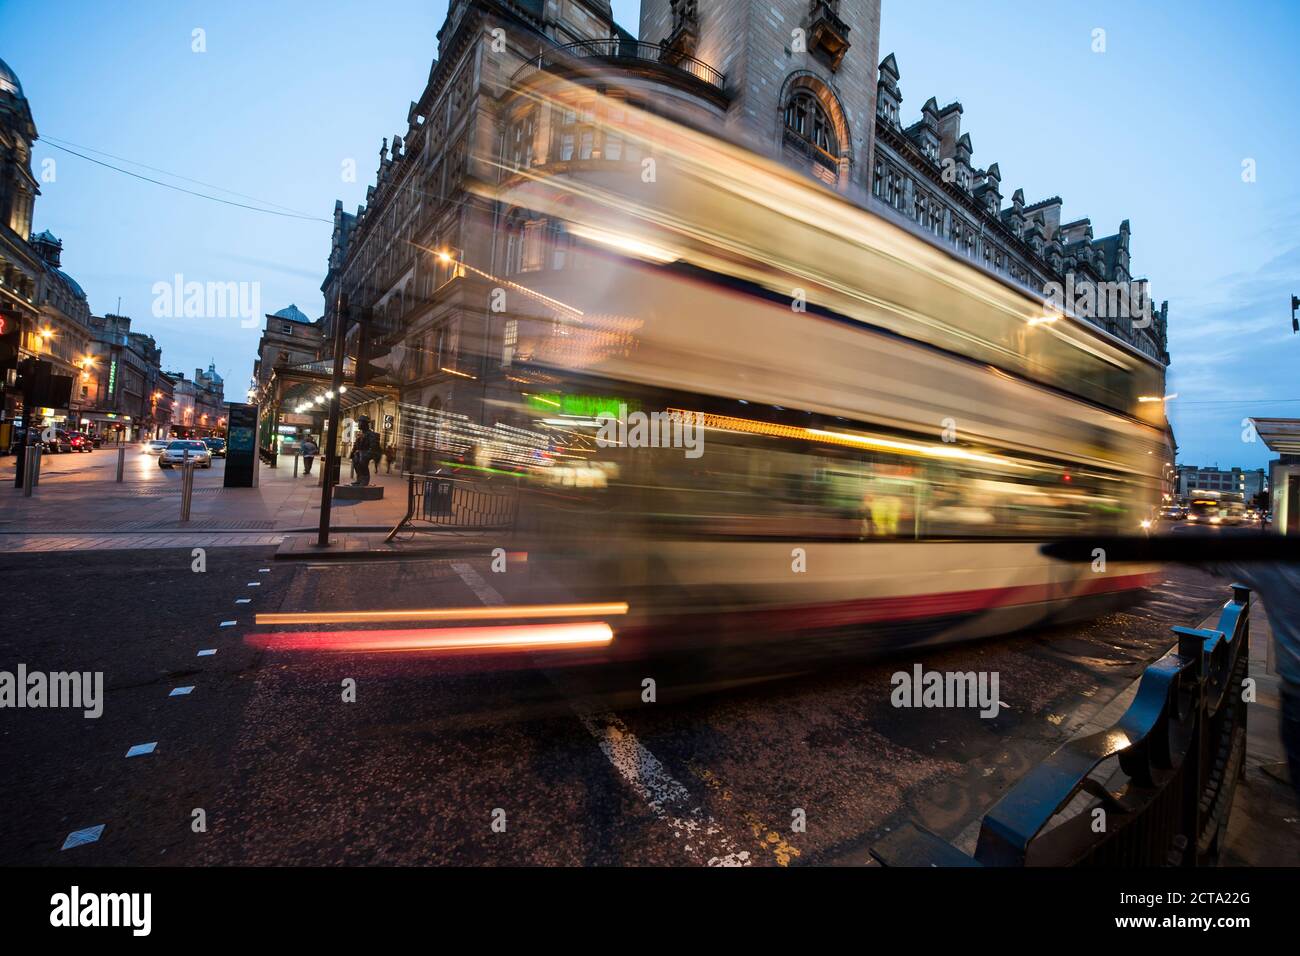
{"x": 438, "y": 764}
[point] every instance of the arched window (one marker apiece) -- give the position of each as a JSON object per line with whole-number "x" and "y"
{"x": 806, "y": 118}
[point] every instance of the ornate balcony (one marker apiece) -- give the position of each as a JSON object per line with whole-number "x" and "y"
{"x": 828, "y": 35}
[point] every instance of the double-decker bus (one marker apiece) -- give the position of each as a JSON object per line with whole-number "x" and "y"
{"x": 868, "y": 436}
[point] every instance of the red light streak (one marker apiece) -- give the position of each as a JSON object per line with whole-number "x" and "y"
{"x": 474, "y": 640}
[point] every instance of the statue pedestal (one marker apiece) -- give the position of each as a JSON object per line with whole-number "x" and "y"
{"x": 358, "y": 492}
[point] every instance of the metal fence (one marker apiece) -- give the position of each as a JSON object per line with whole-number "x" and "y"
{"x": 443, "y": 503}
{"x": 1153, "y": 790}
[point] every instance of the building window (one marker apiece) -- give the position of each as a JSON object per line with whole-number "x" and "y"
{"x": 806, "y": 119}
{"x": 878, "y": 183}
{"x": 509, "y": 341}
{"x": 519, "y": 140}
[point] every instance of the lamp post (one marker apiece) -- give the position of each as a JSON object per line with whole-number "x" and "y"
{"x": 331, "y": 441}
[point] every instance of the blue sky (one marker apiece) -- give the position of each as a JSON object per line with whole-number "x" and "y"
{"x": 1155, "y": 130}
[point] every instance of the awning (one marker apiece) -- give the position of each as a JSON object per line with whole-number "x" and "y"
{"x": 1281, "y": 435}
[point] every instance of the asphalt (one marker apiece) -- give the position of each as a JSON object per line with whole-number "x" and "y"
{"x": 432, "y": 753}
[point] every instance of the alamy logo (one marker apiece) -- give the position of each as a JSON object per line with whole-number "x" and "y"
{"x": 79, "y": 690}
{"x": 179, "y": 299}
{"x": 75, "y": 908}
{"x": 946, "y": 689}
{"x": 674, "y": 429}
{"x": 1101, "y": 300}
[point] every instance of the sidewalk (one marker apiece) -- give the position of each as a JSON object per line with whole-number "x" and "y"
{"x": 78, "y": 504}
{"x": 1264, "y": 826}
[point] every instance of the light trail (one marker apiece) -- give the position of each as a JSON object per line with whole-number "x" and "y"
{"x": 444, "y": 614}
{"x": 486, "y": 640}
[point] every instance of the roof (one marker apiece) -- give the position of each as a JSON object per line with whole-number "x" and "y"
{"x": 293, "y": 314}
{"x": 9, "y": 81}
{"x": 71, "y": 283}
{"x": 1281, "y": 435}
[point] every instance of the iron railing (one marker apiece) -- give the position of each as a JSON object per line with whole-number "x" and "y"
{"x": 628, "y": 52}
{"x": 444, "y": 503}
{"x": 1163, "y": 777}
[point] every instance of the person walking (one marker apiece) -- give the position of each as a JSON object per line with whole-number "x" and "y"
{"x": 365, "y": 450}
{"x": 389, "y": 454}
{"x": 309, "y": 452}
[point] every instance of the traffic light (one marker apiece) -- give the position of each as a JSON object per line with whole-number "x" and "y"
{"x": 11, "y": 331}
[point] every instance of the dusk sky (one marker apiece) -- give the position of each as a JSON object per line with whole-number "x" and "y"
{"x": 1154, "y": 130}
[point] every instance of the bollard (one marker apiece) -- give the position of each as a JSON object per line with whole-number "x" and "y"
{"x": 36, "y": 466}
{"x": 295, "y": 466}
{"x": 121, "y": 463}
{"x": 29, "y": 463}
{"x": 187, "y": 487}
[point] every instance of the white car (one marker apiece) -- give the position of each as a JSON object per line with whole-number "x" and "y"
{"x": 179, "y": 449}
{"x": 156, "y": 446}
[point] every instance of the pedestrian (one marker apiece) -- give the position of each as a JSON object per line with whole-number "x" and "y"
{"x": 365, "y": 451}
{"x": 309, "y": 452}
{"x": 389, "y": 454}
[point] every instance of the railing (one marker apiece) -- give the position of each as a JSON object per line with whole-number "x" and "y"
{"x": 268, "y": 455}
{"x": 457, "y": 504}
{"x": 619, "y": 50}
{"x": 1180, "y": 748}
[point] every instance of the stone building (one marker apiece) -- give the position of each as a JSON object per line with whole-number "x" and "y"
{"x": 288, "y": 338}
{"x": 792, "y": 79}
{"x": 795, "y": 80}
{"x": 924, "y": 173}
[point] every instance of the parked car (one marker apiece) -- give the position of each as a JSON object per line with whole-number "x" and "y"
{"x": 217, "y": 446}
{"x": 59, "y": 442}
{"x": 155, "y": 446}
{"x": 81, "y": 442}
{"x": 178, "y": 449}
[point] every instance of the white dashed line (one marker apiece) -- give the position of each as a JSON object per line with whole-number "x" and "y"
{"x": 243, "y": 600}
{"x": 139, "y": 750}
{"x": 668, "y": 799}
{"x": 263, "y": 570}
{"x": 181, "y": 691}
{"x": 206, "y": 652}
{"x": 254, "y": 584}
{"x": 229, "y": 623}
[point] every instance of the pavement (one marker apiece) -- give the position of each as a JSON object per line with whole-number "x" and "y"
{"x": 79, "y": 505}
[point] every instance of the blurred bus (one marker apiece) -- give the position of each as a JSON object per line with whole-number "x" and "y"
{"x": 888, "y": 430}
{"x": 1216, "y": 507}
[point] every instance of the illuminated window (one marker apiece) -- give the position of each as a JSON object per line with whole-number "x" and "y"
{"x": 806, "y": 119}
{"x": 509, "y": 341}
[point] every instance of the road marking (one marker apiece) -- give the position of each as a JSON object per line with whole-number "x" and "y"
{"x": 82, "y": 837}
{"x": 208, "y": 652}
{"x": 243, "y": 600}
{"x": 668, "y": 800}
{"x": 181, "y": 691}
{"x": 254, "y": 584}
{"x": 139, "y": 750}
{"x": 482, "y": 590}
{"x": 263, "y": 570}
{"x": 229, "y": 623}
